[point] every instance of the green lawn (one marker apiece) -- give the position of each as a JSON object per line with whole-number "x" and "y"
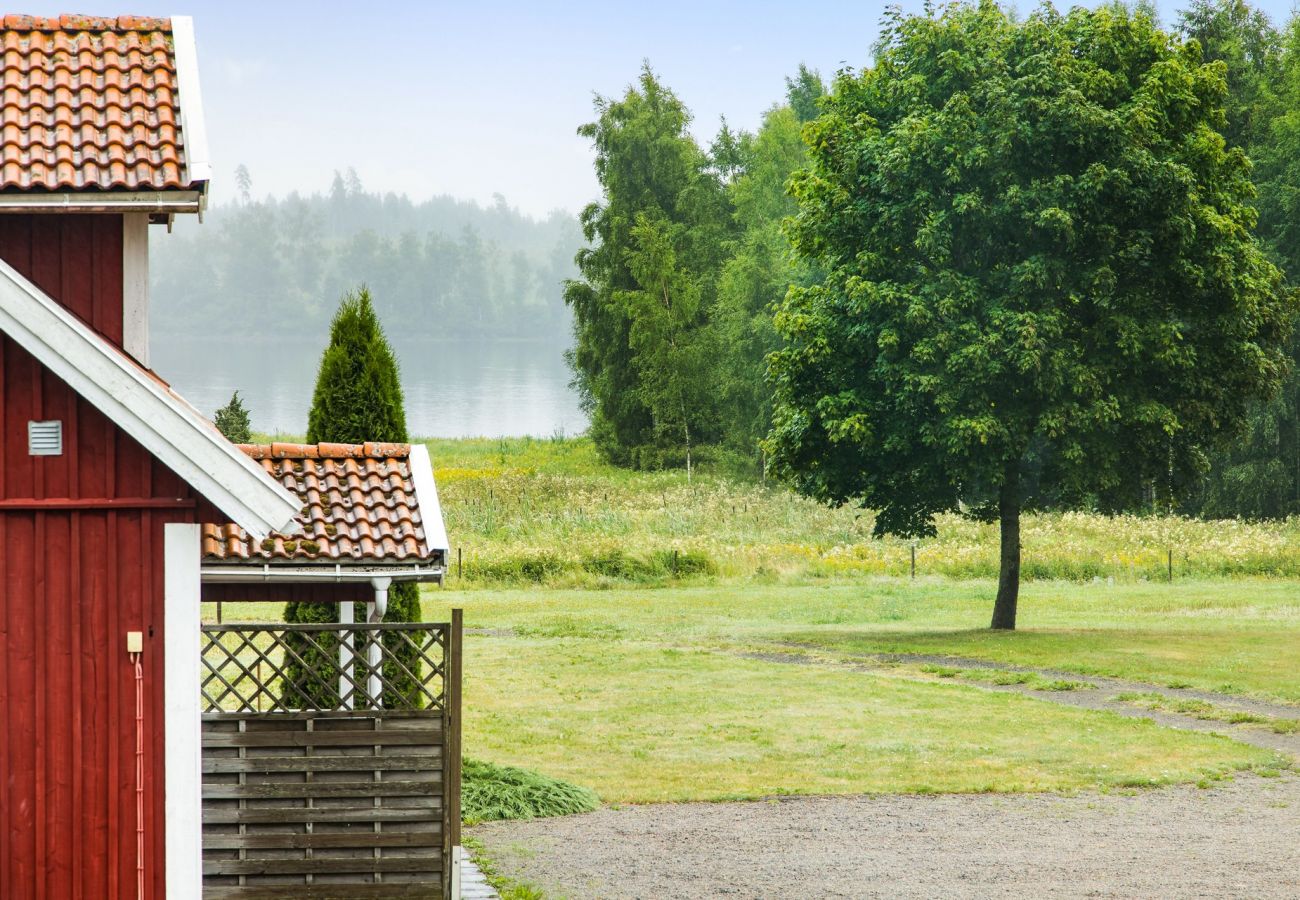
{"x": 1232, "y": 635}
{"x": 645, "y": 695}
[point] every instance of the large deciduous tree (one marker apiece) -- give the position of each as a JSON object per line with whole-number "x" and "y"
{"x": 761, "y": 267}
{"x": 1039, "y": 257}
{"x": 642, "y": 303}
{"x": 1258, "y": 475}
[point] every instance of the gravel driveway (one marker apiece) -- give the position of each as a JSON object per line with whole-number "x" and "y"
{"x": 1238, "y": 839}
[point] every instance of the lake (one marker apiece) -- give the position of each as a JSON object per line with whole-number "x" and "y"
{"x": 453, "y": 388}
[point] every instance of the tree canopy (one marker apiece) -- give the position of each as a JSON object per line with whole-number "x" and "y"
{"x": 358, "y": 394}
{"x": 648, "y": 277}
{"x": 232, "y": 420}
{"x": 1038, "y": 259}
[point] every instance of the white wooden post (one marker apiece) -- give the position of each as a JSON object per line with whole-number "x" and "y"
{"x": 346, "y": 652}
{"x": 377, "y": 608}
{"x": 182, "y": 727}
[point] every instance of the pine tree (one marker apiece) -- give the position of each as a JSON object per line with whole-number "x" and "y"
{"x": 232, "y": 421}
{"x": 358, "y": 398}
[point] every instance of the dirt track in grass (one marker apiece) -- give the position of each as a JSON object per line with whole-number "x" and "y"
{"x": 1237, "y": 839}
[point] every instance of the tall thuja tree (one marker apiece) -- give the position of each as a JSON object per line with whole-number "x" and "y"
{"x": 761, "y": 268}
{"x": 358, "y": 398}
{"x": 1037, "y": 247}
{"x": 1258, "y": 474}
{"x": 662, "y": 205}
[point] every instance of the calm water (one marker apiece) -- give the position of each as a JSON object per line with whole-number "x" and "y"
{"x": 453, "y": 388}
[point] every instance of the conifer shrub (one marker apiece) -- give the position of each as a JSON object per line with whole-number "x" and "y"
{"x": 358, "y": 398}
{"x": 233, "y": 421}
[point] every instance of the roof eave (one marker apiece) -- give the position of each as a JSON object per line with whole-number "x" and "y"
{"x": 191, "y": 200}
{"x": 253, "y": 571}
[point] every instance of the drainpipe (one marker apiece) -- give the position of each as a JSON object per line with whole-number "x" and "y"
{"x": 375, "y": 611}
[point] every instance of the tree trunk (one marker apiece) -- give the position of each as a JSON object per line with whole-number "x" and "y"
{"x": 1004, "y": 608}
{"x": 686, "y": 429}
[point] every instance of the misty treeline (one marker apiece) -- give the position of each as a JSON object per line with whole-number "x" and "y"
{"x": 438, "y": 268}
{"x": 688, "y": 262}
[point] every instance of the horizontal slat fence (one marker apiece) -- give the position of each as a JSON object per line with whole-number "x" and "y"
{"x": 328, "y": 803}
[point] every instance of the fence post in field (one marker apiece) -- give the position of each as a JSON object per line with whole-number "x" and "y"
{"x": 1171, "y": 565}
{"x": 914, "y": 560}
{"x": 459, "y": 570}
{"x": 452, "y": 694}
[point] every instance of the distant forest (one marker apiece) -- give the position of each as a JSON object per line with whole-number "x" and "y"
{"x": 438, "y": 267}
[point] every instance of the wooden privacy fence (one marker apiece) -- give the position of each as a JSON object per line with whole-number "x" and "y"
{"x": 326, "y": 782}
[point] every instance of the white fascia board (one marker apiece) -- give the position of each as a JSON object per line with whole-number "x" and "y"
{"x": 165, "y": 425}
{"x": 426, "y": 498}
{"x": 252, "y": 572}
{"x": 194, "y": 130}
{"x": 103, "y": 201}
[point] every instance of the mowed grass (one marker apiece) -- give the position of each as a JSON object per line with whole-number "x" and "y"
{"x": 641, "y": 724}
{"x": 648, "y": 695}
{"x": 1239, "y": 636}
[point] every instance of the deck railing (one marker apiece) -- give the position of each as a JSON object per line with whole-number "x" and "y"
{"x": 295, "y": 667}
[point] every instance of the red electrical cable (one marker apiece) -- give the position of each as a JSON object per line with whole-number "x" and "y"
{"x": 139, "y": 776}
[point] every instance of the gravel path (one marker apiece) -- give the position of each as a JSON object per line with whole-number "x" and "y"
{"x": 1238, "y": 839}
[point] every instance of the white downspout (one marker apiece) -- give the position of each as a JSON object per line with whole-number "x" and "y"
{"x": 375, "y": 614}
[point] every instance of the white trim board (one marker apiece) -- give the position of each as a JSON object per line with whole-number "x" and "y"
{"x": 135, "y": 286}
{"x": 103, "y": 201}
{"x": 194, "y": 130}
{"x": 253, "y": 573}
{"x": 426, "y": 498}
{"x": 182, "y": 712}
{"x": 164, "y": 424}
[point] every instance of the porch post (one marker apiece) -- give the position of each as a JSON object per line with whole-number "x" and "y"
{"x": 182, "y": 726}
{"x": 374, "y": 652}
{"x": 346, "y": 693}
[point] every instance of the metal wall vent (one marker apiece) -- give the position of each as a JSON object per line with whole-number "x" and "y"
{"x": 45, "y": 438}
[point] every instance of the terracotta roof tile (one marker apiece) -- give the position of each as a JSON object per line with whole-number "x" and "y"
{"x": 89, "y": 103}
{"x": 358, "y": 506}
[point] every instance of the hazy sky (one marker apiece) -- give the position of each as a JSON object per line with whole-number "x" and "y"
{"x": 473, "y": 99}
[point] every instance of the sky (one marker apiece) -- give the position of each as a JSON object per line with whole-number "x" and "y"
{"x": 478, "y": 99}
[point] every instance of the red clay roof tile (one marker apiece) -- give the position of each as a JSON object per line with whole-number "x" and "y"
{"x": 89, "y": 103}
{"x": 358, "y": 506}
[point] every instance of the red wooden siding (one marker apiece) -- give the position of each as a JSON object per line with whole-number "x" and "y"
{"x": 77, "y": 259}
{"x": 73, "y": 581}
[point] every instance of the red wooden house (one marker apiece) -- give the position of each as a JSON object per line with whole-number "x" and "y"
{"x": 107, "y": 477}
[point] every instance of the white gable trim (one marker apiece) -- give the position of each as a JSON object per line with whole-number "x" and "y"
{"x": 163, "y": 423}
{"x": 426, "y": 498}
{"x": 194, "y": 131}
